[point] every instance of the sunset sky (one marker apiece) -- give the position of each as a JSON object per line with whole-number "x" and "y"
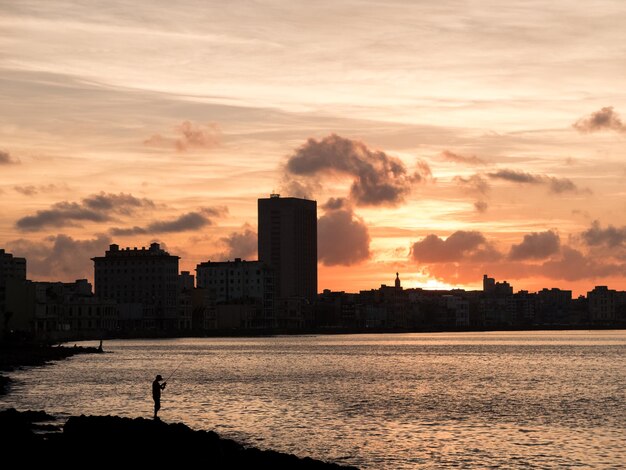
{"x": 443, "y": 140}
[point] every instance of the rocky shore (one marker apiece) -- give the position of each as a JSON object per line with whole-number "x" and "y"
{"x": 14, "y": 355}
{"x": 112, "y": 439}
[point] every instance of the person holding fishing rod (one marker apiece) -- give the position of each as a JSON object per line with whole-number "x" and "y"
{"x": 156, "y": 394}
{"x": 156, "y": 391}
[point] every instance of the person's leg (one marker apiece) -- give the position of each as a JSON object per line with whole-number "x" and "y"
{"x": 157, "y": 407}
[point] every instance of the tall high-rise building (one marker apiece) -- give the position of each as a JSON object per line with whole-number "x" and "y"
{"x": 288, "y": 244}
{"x": 144, "y": 282}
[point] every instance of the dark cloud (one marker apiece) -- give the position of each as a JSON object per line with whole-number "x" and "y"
{"x": 457, "y": 158}
{"x": 517, "y": 176}
{"x": 188, "y": 136}
{"x": 475, "y": 183}
{"x": 183, "y": 223}
{"x": 120, "y": 203}
{"x": 481, "y": 206}
{"x": 62, "y": 214}
{"x": 6, "y": 159}
{"x": 60, "y": 256}
{"x": 611, "y": 237}
{"x": 556, "y": 185}
{"x": 29, "y": 190}
{"x": 379, "y": 179}
{"x": 537, "y": 245}
{"x": 461, "y": 245}
{"x": 342, "y": 238}
{"x": 95, "y": 208}
{"x": 605, "y": 119}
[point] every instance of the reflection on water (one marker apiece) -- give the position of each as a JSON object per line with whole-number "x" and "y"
{"x": 555, "y": 399}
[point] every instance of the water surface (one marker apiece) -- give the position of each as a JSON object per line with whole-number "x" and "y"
{"x": 508, "y": 400}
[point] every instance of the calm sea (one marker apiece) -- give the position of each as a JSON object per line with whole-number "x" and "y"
{"x": 474, "y": 400}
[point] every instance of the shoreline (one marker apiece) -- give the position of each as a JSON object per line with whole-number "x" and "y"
{"x": 259, "y": 333}
{"x": 123, "y": 437}
{"x": 14, "y": 355}
{"x": 140, "y": 437}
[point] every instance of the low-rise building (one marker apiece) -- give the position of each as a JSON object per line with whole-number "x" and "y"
{"x": 240, "y": 282}
{"x": 146, "y": 277}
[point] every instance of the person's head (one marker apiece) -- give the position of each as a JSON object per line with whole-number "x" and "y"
{"x": 158, "y": 377}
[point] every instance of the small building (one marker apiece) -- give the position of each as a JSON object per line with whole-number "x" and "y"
{"x": 59, "y": 310}
{"x": 602, "y": 303}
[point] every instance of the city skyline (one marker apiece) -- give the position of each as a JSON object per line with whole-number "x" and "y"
{"x": 441, "y": 141}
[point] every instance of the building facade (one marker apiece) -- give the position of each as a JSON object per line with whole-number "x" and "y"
{"x": 602, "y": 305}
{"x": 12, "y": 271}
{"x": 287, "y": 243}
{"x": 239, "y": 282}
{"x": 145, "y": 284}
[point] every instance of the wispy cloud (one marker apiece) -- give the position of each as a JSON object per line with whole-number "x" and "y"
{"x": 458, "y": 158}
{"x": 476, "y": 183}
{"x": 187, "y": 136}
{"x": 555, "y": 185}
{"x": 31, "y": 189}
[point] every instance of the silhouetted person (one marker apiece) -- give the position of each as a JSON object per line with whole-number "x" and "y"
{"x": 156, "y": 394}
{"x": 100, "y": 347}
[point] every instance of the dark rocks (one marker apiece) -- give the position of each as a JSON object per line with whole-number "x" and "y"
{"x": 17, "y": 427}
{"x": 115, "y": 440}
{"x": 4, "y": 384}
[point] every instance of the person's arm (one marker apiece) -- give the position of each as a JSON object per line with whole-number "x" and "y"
{"x": 163, "y": 385}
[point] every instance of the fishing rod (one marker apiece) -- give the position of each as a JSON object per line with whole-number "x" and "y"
{"x": 177, "y": 367}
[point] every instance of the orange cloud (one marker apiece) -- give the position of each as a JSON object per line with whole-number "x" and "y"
{"x": 342, "y": 237}
{"x": 463, "y": 257}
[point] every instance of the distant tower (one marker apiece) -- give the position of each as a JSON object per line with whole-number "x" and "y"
{"x": 288, "y": 244}
{"x": 489, "y": 284}
{"x": 398, "y": 286}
